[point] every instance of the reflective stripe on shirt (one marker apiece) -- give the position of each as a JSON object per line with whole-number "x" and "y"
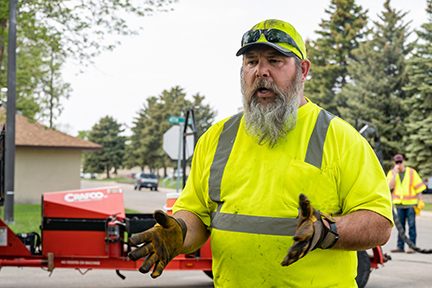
{"x": 257, "y": 224}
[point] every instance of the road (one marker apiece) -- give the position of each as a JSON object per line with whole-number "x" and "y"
{"x": 404, "y": 270}
{"x": 144, "y": 200}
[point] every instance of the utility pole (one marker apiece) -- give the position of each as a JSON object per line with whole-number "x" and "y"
{"x": 10, "y": 118}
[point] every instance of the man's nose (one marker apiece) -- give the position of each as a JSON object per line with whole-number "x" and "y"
{"x": 262, "y": 70}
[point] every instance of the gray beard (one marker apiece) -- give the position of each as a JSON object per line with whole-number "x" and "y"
{"x": 271, "y": 122}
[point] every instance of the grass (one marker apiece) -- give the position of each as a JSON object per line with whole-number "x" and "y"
{"x": 171, "y": 183}
{"x": 428, "y": 207}
{"x": 28, "y": 218}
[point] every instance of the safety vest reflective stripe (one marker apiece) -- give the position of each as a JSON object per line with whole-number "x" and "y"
{"x": 249, "y": 223}
{"x": 314, "y": 152}
{"x": 223, "y": 151}
{"x": 411, "y": 180}
{"x": 253, "y": 224}
{"x": 418, "y": 186}
{"x": 405, "y": 197}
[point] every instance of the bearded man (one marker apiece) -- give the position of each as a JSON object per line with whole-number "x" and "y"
{"x": 284, "y": 178}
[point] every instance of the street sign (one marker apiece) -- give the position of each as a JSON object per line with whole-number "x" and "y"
{"x": 178, "y": 120}
{"x": 172, "y": 144}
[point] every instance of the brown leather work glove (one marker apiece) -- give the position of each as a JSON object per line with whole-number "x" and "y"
{"x": 311, "y": 232}
{"x": 162, "y": 243}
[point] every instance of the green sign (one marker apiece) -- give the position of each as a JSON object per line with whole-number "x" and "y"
{"x": 178, "y": 120}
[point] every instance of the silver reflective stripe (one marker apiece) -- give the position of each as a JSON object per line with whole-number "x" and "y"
{"x": 253, "y": 224}
{"x": 257, "y": 224}
{"x": 314, "y": 153}
{"x": 223, "y": 151}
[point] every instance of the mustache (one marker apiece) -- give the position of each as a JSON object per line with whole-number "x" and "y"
{"x": 263, "y": 84}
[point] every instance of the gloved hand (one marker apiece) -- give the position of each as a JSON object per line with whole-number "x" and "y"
{"x": 420, "y": 205}
{"x": 162, "y": 243}
{"x": 311, "y": 232}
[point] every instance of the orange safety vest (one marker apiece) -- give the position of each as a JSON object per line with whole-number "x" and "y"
{"x": 405, "y": 191}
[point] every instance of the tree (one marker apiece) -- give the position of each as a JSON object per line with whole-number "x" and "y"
{"x": 378, "y": 75}
{"x": 145, "y": 148}
{"x": 419, "y": 123}
{"x": 53, "y": 87}
{"x": 60, "y": 29}
{"x": 331, "y": 53}
{"x": 105, "y": 133}
{"x": 83, "y": 134}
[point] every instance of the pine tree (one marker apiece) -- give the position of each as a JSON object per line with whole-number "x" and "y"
{"x": 331, "y": 54}
{"x": 419, "y": 123}
{"x": 106, "y": 133}
{"x": 378, "y": 75}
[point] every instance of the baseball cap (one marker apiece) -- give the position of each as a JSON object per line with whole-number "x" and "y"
{"x": 277, "y": 34}
{"x": 398, "y": 157}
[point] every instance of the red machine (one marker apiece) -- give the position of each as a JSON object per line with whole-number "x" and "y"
{"x": 85, "y": 229}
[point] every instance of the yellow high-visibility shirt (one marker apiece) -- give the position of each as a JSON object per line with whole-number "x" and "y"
{"x": 258, "y": 189}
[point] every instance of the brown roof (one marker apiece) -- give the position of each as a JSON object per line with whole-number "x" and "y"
{"x": 36, "y": 135}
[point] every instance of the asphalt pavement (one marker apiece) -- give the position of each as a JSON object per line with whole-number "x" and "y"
{"x": 407, "y": 270}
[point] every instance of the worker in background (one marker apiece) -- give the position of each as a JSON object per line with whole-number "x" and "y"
{"x": 287, "y": 191}
{"x": 407, "y": 189}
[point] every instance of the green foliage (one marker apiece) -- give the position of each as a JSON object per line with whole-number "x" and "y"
{"x": 145, "y": 148}
{"x": 83, "y": 134}
{"x": 377, "y": 76}
{"x": 419, "y": 123}
{"x": 331, "y": 53}
{"x": 49, "y": 31}
{"x": 105, "y": 133}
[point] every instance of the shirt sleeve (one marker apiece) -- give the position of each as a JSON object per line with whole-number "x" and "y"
{"x": 363, "y": 181}
{"x": 389, "y": 176}
{"x": 418, "y": 184}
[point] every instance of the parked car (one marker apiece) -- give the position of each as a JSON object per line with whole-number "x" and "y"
{"x": 131, "y": 175}
{"x": 88, "y": 175}
{"x": 148, "y": 180}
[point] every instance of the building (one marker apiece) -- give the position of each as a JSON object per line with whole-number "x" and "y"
{"x": 46, "y": 160}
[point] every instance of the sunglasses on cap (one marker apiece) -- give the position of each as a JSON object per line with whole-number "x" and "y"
{"x": 272, "y": 35}
{"x": 398, "y": 162}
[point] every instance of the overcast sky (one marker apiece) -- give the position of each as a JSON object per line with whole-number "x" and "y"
{"x": 193, "y": 47}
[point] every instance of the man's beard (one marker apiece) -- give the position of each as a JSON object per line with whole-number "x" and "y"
{"x": 271, "y": 122}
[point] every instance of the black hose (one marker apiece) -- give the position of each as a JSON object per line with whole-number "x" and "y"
{"x": 405, "y": 238}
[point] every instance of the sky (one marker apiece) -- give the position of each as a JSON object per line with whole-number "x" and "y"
{"x": 193, "y": 47}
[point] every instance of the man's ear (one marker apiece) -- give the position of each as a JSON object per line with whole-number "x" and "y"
{"x": 305, "y": 65}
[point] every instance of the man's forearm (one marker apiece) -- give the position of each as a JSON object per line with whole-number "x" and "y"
{"x": 392, "y": 181}
{"x": 197, "y": 233}
{"x": 362, "y": 230}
